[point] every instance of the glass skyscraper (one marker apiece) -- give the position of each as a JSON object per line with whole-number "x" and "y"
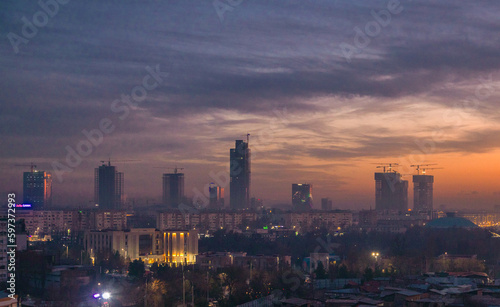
{"x": 37, "y": 189}
{"x": 108, "y": 187}
{"x": 239, "y": 171}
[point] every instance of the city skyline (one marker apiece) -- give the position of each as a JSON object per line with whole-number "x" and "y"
{"x": 250, "y": 153}
{"x": 423, "y": 90}
{"x": 389, "y": 193}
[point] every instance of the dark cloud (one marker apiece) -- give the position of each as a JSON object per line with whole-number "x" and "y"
{"x": 227, "y": 78}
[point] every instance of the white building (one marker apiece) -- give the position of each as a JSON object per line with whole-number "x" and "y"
{"x": 171, "y": 246}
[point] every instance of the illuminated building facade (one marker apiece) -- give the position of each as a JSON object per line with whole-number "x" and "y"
{"x": 239, "y": 171}
{"x": 180, "y": 246}
{"x": 302, "y": 196}
{"x": 391, "y": 192}
{"x": 108, "y": 187}
{"x": 173, "y": 189}
{"x": 423, "y": 192}
{"x": 175, "y": 247}
{"x": 37, "y": 189}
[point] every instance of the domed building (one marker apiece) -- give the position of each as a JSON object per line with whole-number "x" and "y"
{"x": 451, "y": 221}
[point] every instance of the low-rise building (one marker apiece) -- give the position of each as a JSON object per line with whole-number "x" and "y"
{"x": 172, "y": 246}
{"x": 205, "y": 220}
{"x": 332, "y": 220}
{"x": 217, "y": 260}
{"x": 48, "y": 222}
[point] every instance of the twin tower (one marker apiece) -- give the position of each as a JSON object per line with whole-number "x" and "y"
{"x": 391, "y": 192}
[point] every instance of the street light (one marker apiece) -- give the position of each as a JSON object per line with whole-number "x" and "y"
{"x": 99, "y": 297}
{"x": 375, "y": 255}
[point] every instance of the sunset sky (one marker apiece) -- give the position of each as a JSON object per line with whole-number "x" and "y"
{"x": 421, "y": 85}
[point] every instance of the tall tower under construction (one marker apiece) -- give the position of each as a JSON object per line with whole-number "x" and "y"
{"x": 391, "y": 191}
{"x": 173, "y": 189}
{"x": 423, "y": 192}
{"x": 108, "y": 187}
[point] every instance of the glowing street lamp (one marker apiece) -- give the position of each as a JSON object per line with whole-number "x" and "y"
{"x": 375, "y": 255}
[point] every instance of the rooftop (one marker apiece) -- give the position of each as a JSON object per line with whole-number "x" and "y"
{"x": 451, "y": 222}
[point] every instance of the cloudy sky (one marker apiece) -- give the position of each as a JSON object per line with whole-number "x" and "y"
{"x": 325, "y": 89}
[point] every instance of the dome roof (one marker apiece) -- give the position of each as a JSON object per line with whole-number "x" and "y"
{"x": 450, "y": 222}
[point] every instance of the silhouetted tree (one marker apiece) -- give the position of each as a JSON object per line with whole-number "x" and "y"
{"x": 136, "y": 268}
{"x": 320, "y": 271}
{"x": 368, "y": 275}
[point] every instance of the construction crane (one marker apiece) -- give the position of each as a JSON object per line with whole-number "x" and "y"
{"x": 31, "y": 165}
{"x": 174, "y": 168}
{"x": 385, "y": 166}
{"x": 419, "y": 165}
{"x": 425, "y": 169}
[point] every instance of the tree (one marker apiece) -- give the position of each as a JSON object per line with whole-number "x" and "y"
{"x": 368, "y": 275}
{"x": 156, "y": 291}
{"x": 320, "y": 271}
{"x": 136, "y": 268}
{"x": 343, "y": 272}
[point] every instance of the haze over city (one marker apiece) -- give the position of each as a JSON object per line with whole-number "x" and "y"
{"x": 422, "y": 89}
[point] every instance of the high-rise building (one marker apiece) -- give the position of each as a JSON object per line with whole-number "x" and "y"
{"x": 108, "y": 187}
{"x": 216, "y": 196}
{"x": 391, "y": 192}
{"x": 239, "y": 171}
{"x": 37, "y": 189}
{"x": 422, "y": 192}
{"x": 173, "y": 189}
{"x": 326, "y": 204}
{"x": 302, "y": 196}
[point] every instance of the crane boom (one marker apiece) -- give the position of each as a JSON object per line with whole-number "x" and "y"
{"x": 419, "y": 165}
{"x": 386, "y": 165}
